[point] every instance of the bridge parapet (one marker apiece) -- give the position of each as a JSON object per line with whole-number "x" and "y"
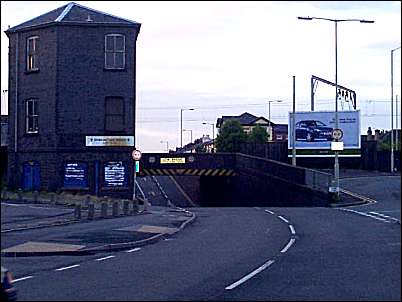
{"x": 190, "y": 164}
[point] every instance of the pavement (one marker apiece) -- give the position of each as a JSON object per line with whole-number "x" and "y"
{"x": 39, "y": 237}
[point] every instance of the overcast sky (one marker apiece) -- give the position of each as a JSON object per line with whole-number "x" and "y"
{"x": 226, "y": 58}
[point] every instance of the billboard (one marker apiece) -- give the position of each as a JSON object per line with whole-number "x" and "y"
{"x": 314, "y": 129}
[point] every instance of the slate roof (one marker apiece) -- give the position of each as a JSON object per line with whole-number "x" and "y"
{"x": 245, "y": 119}
{"x": 72, "y": 13}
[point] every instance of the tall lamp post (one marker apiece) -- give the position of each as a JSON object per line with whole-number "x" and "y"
{"x": 392, "y": 108}
{"x": 191, "y": 136}
{"x": 181, "y": 125}
{"x": 336, "y": 165}
{"x": 213, "y": 133}
{"x": 269, "y": 117}
{"x": 167, "y": 145}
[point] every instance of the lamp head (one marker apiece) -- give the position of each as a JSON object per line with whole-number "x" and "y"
{"x": 305, "y": 18}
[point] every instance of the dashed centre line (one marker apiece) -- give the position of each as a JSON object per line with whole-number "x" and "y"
{"x": 251, "y": 275}
{"x": 292, "y": 230}
{"x": 104, "y": 258}
{"x": 67, "y": 267}
{"x": 269, "y": 262}
{"x": 21, "y": 279}
{"x": 133, "y": 250}
{"x": 291, "y": 241}
{"x": 282, "y": 218}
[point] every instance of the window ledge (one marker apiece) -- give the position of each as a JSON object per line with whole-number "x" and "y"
{"x": 32, "y": 71}
{"x": 114, "y": 69}
{"x": 31, "y": 134}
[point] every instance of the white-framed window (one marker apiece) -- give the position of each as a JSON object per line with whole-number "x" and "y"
{"x": 115, "y": 51}
{"x": 32, "y": 117}
{"x": 32, "y": 53}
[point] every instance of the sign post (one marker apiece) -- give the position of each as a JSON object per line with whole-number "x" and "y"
{"x": 136, "y": 156}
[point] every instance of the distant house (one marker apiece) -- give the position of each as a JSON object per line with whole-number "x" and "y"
{"x": 249, "y": 121}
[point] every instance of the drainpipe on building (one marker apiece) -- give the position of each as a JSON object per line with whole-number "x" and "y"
{"x": 16, "y": 98}
{"x": 16, "y": 113}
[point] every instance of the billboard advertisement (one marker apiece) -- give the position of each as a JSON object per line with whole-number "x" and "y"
{"x": 314, "y": 129}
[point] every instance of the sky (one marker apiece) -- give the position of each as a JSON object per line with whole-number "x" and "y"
{"x": 227, "y": 58}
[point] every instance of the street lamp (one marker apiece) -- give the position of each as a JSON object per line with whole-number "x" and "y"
{"x": 213, "y": 133}
{"x": 336, "y": 165}
{"x": 167, "y": 145}
{"x": 269, "y": 117}
{"x": 191, "y": 136}
{"x": 181, "y": 125}
{"x": 392, "y": 108}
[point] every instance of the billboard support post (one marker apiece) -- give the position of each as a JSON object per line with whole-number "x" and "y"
{"x": 293, "y": 124}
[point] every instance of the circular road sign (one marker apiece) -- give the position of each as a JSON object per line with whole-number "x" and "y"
{"x": 136, "y": 154}
{"x": 337, "y": 134}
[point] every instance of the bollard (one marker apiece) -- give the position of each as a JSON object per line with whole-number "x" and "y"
{"x": 35, "y": 196}
{"x": 135, "y": 206}
{"x": 52, "y": 198}
{"x": 125, "y": 207}
{"x": 103, "y": 209}
{"x": 115, "y": 209}
{"x": 19, "y": 195}
{"x": 4, "y": 195}
{"x": 77, "y": 212}
{"x": 87, "y": 201}
{"x": 146, "y": 205}
{"x": 91, "y": 211}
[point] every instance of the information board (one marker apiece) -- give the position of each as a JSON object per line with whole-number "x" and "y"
{"x": 115, "y": 174}
{"x": 75, "y": 175}
{"x": 173, "y": 160}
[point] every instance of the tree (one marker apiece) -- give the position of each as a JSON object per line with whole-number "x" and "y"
{"x": 230, "y": 137}
{"x": 258, "y": 135}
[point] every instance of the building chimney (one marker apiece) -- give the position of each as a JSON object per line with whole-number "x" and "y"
{"x": 369, "y": 134}
{"x": 376, "y": 134}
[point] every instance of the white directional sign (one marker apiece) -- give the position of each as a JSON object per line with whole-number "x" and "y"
{"x": 109, "y": 141}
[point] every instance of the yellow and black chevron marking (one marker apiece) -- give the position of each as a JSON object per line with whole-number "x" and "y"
{"x": 191, "y": 172}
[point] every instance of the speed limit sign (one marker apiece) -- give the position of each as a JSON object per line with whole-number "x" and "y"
{"x": 136, "y": 154}
{"x": 337, "y": 134}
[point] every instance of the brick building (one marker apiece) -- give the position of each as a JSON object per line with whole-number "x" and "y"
{"x": 72, "y": 91}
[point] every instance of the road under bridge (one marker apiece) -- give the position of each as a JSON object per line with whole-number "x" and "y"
{"x": 234, "y": 179}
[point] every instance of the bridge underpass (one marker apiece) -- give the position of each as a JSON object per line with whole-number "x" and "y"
{"x": 234, "y": 179}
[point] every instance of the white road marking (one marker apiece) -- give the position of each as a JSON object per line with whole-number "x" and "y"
{"x": 104, "y": 258}
{"x": 280, "y": 217}
{"x": 133, "y": 250}
{"x": 291, "y": 241}
{"x": 364, "y": 198}
{"x": 23, "y": 278}
{"x": 292, "y": 230}
{"x": 67, "y": 267}
{"x": 29, "y": 206}
{"x": 385, "y": 216}
{"x": 365, "y": 214}
{"x": 270, "y": 212}
{"x": 249, "y": 276}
